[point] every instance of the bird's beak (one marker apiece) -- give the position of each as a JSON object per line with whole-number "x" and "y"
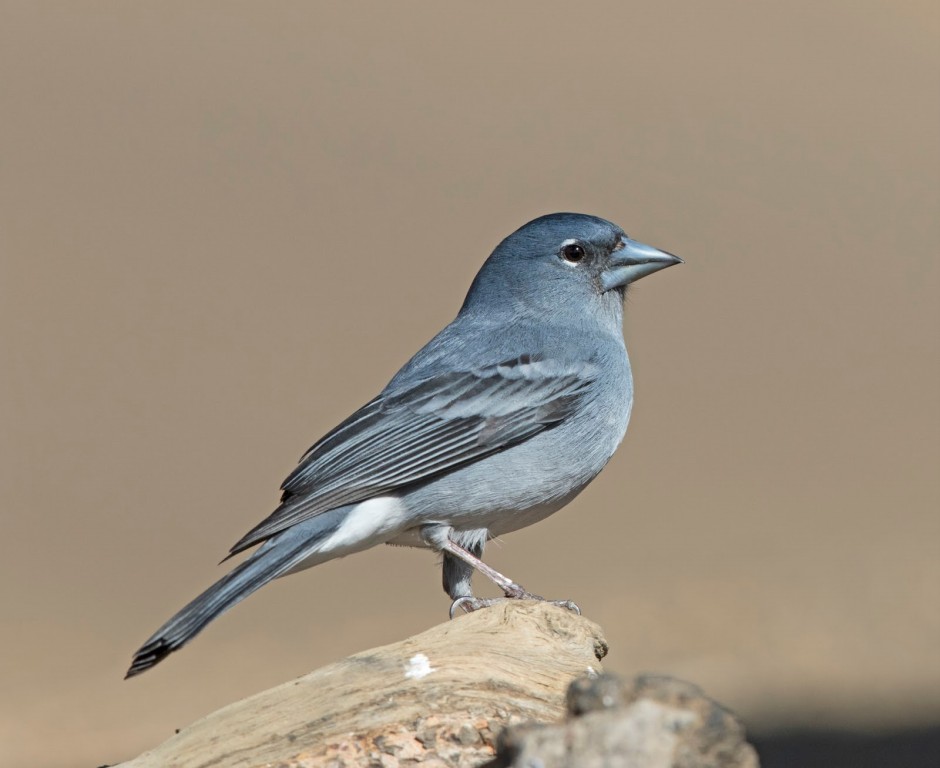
{"x": 632, "y": 261}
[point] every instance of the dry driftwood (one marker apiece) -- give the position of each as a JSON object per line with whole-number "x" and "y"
{"x": 441, "y": 697}
{"x": 491, "y": 690}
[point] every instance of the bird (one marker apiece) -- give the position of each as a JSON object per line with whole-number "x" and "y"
{"x": 500, "y": 420}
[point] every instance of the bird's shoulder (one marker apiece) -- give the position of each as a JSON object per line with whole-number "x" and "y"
{"x": 518, "y": 351}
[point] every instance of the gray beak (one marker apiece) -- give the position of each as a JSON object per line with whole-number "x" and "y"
{"x": 633, "y": 261}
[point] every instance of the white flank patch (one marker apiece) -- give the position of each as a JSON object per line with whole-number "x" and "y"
{"x": 418, "y": 666}
{"x": 373, "y": 517}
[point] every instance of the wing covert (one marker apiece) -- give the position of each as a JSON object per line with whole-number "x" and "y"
{"x": 431, "y": 427}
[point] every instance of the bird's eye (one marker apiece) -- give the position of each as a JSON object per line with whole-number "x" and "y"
{"x": 573, "y": 253}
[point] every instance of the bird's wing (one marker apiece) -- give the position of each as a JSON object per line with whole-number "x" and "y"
{"x": 430, "y": 428}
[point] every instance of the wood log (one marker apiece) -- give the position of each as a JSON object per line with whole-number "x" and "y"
{"x": 440, "y": 697}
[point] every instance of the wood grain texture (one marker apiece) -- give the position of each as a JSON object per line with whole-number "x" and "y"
{"x": 440, "y": 695}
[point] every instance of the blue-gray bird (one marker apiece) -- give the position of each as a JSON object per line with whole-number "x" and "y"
{"x": 502, "y": 419}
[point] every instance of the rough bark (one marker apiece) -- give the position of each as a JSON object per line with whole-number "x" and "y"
{"x": 650, "y": 722}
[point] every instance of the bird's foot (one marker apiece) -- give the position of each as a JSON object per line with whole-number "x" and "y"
{"x": 469, "y": 603}
{"x": 516, "y": 592}
{"x": 568, "y": 605}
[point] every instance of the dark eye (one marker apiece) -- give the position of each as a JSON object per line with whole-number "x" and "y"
{"x": 573, "y": 253}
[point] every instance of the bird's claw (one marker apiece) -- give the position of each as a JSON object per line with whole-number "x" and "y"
{"x": 516, "y": 592}
{"x": 469, "y": 603}
{"x": 569, "y": 605}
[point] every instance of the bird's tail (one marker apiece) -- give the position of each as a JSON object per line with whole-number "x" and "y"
{"x": 275, "y": 558}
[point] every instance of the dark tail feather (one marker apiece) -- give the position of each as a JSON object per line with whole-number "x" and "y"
{"x": 236, "y": 585}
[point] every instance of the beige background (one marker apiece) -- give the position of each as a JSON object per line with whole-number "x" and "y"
{"x": 223, "y": 227}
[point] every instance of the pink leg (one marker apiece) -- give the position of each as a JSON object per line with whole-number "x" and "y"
{"x": 512, "y": 590}
{"x": 509, "y": 587}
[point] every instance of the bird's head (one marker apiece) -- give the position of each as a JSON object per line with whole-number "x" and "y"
{"x": 561, "y": 263}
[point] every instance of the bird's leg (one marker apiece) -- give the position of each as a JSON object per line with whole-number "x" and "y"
{"x": 509, "y": 587}
{"x": 457, "y": 574}
{"x": 439, "y": 538}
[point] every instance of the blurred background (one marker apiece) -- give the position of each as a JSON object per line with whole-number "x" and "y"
{"x": 224, "y": 226}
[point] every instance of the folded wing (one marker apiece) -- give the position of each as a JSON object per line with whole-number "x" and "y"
{"x": 433, "y": 427}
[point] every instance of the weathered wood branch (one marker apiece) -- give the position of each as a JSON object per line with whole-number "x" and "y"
{"x": 509, "y": 663}
{"x": 488, "y": 689}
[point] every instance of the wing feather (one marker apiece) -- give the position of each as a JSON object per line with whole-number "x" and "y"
{"x": 430, "y": 428}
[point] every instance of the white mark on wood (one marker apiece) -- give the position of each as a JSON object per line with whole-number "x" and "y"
{"x": 419, "y": 666}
